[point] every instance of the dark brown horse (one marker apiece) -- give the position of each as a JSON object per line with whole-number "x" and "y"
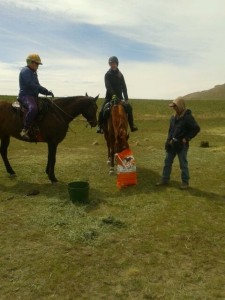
{"x": 115, "y": 132}
{"x": 53, "y": 127}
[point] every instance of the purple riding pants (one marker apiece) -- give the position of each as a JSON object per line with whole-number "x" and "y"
{"x": 29, "y": 102}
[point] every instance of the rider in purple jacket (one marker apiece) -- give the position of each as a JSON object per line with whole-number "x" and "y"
{"x": 29, "y": 90}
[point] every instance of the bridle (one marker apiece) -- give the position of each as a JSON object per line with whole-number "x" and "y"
{"x": 68, "y": 115}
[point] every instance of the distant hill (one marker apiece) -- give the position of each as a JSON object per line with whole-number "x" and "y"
{"x": 216, "y": 93}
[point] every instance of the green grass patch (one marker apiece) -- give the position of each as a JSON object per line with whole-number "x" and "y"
{"x": 142, "y": 242}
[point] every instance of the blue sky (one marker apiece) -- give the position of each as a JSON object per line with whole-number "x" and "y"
{"x": 166, "y": 48}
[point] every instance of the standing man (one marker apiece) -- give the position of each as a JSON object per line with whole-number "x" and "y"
{"x": 29, "y": 90}
{"x": 115, "y": 85}
{"x": 182, "y": 129}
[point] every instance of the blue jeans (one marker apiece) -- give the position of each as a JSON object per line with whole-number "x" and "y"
{"x": 29, "y": 102}
{"x": 182, "y": 156}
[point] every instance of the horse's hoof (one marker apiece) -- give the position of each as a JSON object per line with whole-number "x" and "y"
{"x": 55, "y": 182}
{"x": 13, "y": 175}
{"x": 108, "y": 162}
{"x": 111, "y": 172}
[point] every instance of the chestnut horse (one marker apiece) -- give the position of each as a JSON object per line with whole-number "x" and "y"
{"x": 53, "y": 127}
{"x": 115, "y": 132}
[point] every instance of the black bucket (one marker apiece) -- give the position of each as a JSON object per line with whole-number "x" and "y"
{"x": 79, "y": 191}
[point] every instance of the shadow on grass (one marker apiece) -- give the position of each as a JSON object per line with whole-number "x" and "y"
{"x": 59, "y": 190}
{"x": 147, "y": 179}
{"x": 193, "y": 192}
{"x": 204, "y": 194}
{"x": 21, "y": 188}
{"x": 147, "y": 183}
{"x": 97, "y": 196}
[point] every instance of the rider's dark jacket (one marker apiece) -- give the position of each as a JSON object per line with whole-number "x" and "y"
{"x": 115, "y": 85}
{"x": 29, "y": 84}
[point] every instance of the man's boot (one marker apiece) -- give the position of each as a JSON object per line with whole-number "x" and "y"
{"x": 131, "y": 121}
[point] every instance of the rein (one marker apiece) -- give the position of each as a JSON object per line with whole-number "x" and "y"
{"x": 65, "y": 113}
{"x": 62, "y": 111}
{"x": 61, "y": 118}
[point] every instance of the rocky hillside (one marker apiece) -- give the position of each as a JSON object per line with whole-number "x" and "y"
{"x": 216, "y": 93}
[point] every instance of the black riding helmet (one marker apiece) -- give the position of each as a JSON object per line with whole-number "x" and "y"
{"x": 113, "y": 59}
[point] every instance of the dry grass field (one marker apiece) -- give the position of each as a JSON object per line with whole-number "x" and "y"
{"x": 142, "y": 242}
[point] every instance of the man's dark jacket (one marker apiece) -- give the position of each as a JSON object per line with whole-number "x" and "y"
{"x": 183, "y": 127}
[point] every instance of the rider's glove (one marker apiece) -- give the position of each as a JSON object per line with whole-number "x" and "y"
{"x": 50, "y": 93}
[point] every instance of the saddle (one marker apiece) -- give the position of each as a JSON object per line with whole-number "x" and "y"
{"x": 43, "y": 107}
{"x": 108, "y": 105}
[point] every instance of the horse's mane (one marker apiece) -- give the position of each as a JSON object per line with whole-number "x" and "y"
{"x": 120, "y": 122}
{"x": 119, "y": 116}
{"x": 68, "y": 99}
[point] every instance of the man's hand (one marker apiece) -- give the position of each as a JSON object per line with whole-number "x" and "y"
{"x": 50, "y": 93}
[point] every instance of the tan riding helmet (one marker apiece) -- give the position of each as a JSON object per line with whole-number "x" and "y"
{"x": 34, "y": 57}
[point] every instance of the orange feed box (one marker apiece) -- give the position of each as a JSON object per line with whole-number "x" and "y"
{"x": 126, "y": 169}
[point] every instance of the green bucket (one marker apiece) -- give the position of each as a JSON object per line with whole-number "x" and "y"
{"x": 78, "y": 191}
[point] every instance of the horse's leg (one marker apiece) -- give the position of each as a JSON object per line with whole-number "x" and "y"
{"x": 106, "y": 135}
{"x": 47, "y": 167}
{"x": 50, "y": 168}
{"x": 4, "y": 150}
{"x": 112, "y": 154}
{"x": 110, "y": 144}
{"x": 108, "y": 157}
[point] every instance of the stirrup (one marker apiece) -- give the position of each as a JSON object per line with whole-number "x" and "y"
{"x": 24, "y": 134}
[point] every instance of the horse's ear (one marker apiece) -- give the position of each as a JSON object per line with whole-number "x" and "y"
{"x": 96, "y": 98}
{"x": 86, "y": 95}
